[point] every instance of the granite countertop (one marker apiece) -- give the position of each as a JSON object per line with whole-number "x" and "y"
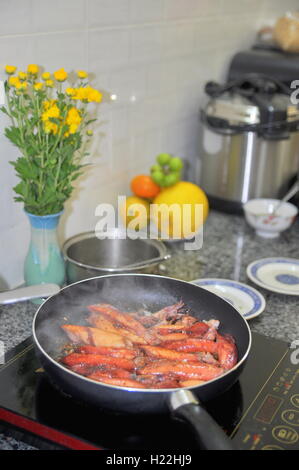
{"x": 229, "y": 245}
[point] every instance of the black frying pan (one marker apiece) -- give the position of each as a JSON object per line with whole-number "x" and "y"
{"x": 130, "y": 292}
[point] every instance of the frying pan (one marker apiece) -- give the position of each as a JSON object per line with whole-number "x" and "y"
{"x": 132, "y": 292}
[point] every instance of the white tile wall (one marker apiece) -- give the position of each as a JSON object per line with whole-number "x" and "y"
{"x": 107, "y": 12}
{"x": 57, "y": 15}
{"x": 154, "y": 54}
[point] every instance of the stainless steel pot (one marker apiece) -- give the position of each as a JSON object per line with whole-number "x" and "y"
{"x": 88, "y": 255}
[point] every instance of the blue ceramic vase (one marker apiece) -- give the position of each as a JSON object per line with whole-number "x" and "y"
{"x": 44, "y": 262}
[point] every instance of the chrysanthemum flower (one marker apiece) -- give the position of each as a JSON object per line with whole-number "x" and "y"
{"x": 46, "y": 75}
{"x": 32, "y": 69}
{"x": 60, "y": 75}
{"x": 10, "y": 69}
{"x": 82, "y": 74}
{"x": 38, "y": 86}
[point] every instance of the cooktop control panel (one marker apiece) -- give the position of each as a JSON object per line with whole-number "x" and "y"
{"x": 271, "y": 421}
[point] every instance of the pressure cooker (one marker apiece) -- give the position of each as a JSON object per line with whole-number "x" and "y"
{"x": 249, "y": 144}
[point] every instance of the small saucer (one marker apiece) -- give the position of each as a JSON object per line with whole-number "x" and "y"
{"x": 279, "y": 275}
{"x": 247, "y": 300}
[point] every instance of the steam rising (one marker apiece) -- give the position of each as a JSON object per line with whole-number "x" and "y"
{"x": 129, "y": 293}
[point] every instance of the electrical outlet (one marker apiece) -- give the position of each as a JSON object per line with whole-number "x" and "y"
{"x": 2, "y": 93}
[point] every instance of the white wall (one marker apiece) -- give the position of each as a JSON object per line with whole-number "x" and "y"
{"x": 154, "y": 54}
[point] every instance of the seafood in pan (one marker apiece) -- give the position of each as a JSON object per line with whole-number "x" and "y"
{"x": 166, "y": 349}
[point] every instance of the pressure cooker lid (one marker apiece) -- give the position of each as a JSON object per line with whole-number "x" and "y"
{"x": 233, "y": 108}
{"x": 237, "y": 109}
{"x": 254, "y": 103}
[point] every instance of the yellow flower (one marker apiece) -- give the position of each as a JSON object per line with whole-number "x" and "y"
{"x": 60, "y": 75}
{"x": 46, "y": 75}
{"x": 89, "y": 132}
{"x": 22, "y": 75}
{"x": 82, "y": 74}
{"x": 94, "y": 96}
{"x": 79, "y": 94}
{"x": 49, "y": 83}
{"x": 32, "y": 69}
{"x": 50, "y": 127}
{"x": 13, "y": 81}
{"x": 87, "y": 94}
{"x": 21, "y": 85}
{"x": 70, "y": 91}
{"x": 51, "y": 112}
{"x": 38, "y": 86}
{"x": 73, "y": 120}
{"x": 10, "y": 69}
{"x": 48, "y": 104}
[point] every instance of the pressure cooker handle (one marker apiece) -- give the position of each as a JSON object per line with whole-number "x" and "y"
{"x": 185, "y": 405}
{"x": 214, "y": 90}
{"x": 259, "y": 82}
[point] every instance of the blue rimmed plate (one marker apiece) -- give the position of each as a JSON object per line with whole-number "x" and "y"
{"x": 279, "y": 275}
{"x": 247, "y": 300}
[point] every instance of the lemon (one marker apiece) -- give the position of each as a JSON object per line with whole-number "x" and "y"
{"x": 135, "y": 212}
{"x": 185, "y": 217}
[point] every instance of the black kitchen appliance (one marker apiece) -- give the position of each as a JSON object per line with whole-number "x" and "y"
{"x": 261, "y": 411}
{"x": 267, "y": 60}
{"x": 249, "y": 144}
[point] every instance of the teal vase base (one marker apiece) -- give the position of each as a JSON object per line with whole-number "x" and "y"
{"x": 37, "y": 301}
{"x": 44, "y": 262}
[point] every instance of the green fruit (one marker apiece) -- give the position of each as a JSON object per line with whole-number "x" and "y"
{"x": 176, "y": 164}
{"x": 158, "y": 177}
{"x": 156, "y": 168}
{"x": 171, "y": 179}
{"x": 163, "y": 158}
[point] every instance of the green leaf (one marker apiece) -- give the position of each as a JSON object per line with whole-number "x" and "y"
{"x": 90, "y": 121}
{"x": 4, "y": 110}
{"x": 25, "y": 169}
{"x": 14, "y": 135}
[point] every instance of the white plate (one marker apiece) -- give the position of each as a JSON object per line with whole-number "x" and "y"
{"x": 248, "y": 301}
{"x": 279, "y": 275}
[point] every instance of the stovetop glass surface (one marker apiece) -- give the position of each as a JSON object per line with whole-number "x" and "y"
{"x": 249, "y": 412}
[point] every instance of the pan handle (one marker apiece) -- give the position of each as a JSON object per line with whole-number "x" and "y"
{"x": 186, "y": 406}
{"x": 28, "y": 293}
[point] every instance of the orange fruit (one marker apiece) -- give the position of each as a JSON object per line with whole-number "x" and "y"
{"x": 144, "y": 186}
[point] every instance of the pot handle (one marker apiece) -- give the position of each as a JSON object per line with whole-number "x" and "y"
{"x": 151, "y": 261}
{"x": 186, "y": 406}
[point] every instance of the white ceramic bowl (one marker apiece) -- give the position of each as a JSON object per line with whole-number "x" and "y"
{"x": 258, "y": 215}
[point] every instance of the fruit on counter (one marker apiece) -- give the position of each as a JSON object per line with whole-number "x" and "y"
{"x": 167, "y": 170}
{"x": 157, "y": 175}
{"x": 144, "y": 186}
{"x": 171, "y": 179}
{"x": 163, "y": 158}
{"x": 136, "y": 209}
{"x": 171, "y": 214}
{"x": 175, "y": 164}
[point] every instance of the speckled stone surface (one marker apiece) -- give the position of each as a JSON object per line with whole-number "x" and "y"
{"x": 229, "y": 245}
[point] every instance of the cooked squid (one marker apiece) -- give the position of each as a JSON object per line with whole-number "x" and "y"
{"x": 167, "y": 349}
